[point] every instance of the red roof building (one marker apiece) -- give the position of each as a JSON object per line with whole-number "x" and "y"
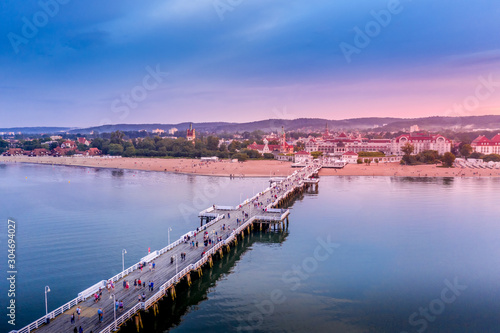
{"x": 483, "y": 145}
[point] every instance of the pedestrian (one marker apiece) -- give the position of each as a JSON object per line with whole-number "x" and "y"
{"x": 117, "y": 305}
{"x": 135, "y": 284}
{"x": 143, "y": 296}
{"x": 73, "y": 318}
{"x": 152, "y": 285}
{"x": 75, "y": 330}
{"x": 139, "y": 283}
{"x": 139, "y": 297}
{"x": 100, "y": 313}
{"x": 144, "y": 284}
{"x": 80, "y": 330}
{"x": 121, "y": 305}
{"x": 154, "y": 266}
{"x": 124, "y": 283}
{"x": 78, "y": 312}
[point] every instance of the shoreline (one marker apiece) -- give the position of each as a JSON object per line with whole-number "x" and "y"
{"x": 250, "y": 168}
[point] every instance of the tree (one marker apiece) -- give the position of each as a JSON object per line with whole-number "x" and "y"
{"x": 492, "y": 158}
{"x": 316, "y": 154}
{"x": 448, "y": 159}
{"x": 408, "y": 148}
{"x": 117, "y": 137}
{"x": 130, "y": 151}
{"x": 466, "y": 150}
{"x": 268, "y": 156}
{"x": 241, "y": 157}
{"x": 234, "y": 145}
{"x": 115, "y": 149}
{"x": 212, "y": 143}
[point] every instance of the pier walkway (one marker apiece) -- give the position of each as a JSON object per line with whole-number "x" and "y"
{"x": 221, "y": 224}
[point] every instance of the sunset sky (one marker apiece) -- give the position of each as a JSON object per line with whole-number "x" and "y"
{"x": 84, "y": 63}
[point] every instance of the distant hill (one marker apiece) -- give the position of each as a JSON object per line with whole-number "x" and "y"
{"x": 36, "y": 130}
{"x": 312, "y": 124}
{"x": 301, "y": 124}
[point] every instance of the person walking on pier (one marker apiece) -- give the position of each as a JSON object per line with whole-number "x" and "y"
{"x": 139, "y": 283}
{"x": 75, "y": 330}
{"x": 121, "y": 305}
{"x": 72, "y": 318}
{"x": 100, "y": 313}
{"x": 78, "y": 312}
{"x": 135, "y": 284}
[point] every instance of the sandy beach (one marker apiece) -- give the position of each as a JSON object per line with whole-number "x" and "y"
{"x": 256, "y": 168}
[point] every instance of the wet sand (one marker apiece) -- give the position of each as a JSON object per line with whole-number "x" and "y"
{"x": 259, "y": 168}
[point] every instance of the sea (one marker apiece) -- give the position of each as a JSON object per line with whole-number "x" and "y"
{"x": 360, "y": 254}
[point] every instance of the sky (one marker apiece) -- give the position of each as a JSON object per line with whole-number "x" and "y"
{"x": 86, "y": 63}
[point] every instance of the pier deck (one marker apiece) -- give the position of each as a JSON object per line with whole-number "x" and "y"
{"x": 166, "y": 274}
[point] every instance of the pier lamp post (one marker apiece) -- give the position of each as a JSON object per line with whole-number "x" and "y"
{"x": 112, "y": 296}
{"x": 47, "y": 290}
{"x": 169, "y": 229}
{"x": 123, "y": 259}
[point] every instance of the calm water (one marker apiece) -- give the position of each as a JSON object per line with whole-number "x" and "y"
{"x": 396, "y": 247}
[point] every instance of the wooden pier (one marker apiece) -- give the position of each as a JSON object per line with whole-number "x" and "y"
{"x": 223, "y": 225}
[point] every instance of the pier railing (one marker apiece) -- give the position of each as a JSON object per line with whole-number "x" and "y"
{"x": 41, "y": 321}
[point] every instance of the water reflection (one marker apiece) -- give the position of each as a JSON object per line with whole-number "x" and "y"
{"x": 188, "y": 298}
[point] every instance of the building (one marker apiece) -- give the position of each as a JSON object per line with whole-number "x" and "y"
{"x": 266, "y": 148}
{"x": 39, "y": 152}
{"x": 14, "y": 152}
{"x": 191, "y": 133}
{"x": 303, "y": 157}
{"x": 350, "y": 157}
{"x": 172, "y": 131}
{"x": 414, "y": 128}
{"x": 92, "y": 152}
{"x": 485, "y": 146}
{"x": 83, "y": 141}
{"x": 338, "y": 144}
{"x": 55, "y": 137}
{"x": 158, "y": 131}
{"x": 68, "y": 144}
{"x": 421, "y": 141}
{"x": 209, "y": 159}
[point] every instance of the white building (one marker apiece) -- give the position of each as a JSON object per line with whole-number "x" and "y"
{"x": 350, "y": 157}
{"x": 421, "y": 142}
{"x": 158, "y": 131}
{"x": 485, "y": 146}
{"x": 172, "y": 131}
